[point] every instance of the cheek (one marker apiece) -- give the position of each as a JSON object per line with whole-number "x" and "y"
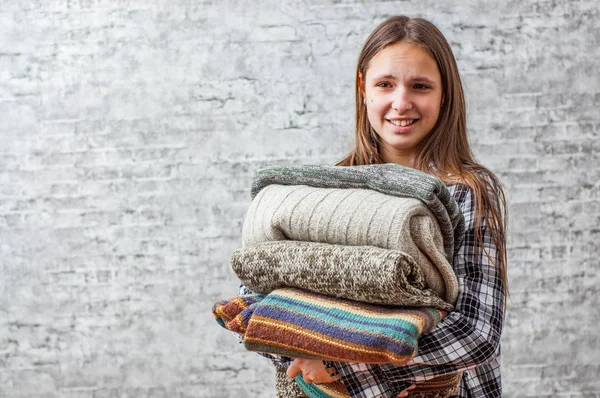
{"x": 372, "y": 118}
{"x": 376, "y": 109}
{"x": 375, "y": 116}
{"x": 431, "y": 109}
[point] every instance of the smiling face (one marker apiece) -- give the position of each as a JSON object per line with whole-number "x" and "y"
{"x": 403, "y": 89}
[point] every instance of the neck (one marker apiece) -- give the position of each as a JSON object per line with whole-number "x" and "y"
{"x": 403, "y": 158}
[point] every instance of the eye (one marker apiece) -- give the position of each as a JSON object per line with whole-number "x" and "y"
{"x": 421, "y": 86}
{"x": 383, "y": 84}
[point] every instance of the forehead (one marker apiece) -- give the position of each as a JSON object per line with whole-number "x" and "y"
{"x": 404, "y": 60}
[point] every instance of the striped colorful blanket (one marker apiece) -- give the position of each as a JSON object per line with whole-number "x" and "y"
{"x": 438, "y": 387}
{"x": 295, "y": 323}
{"x": 328, "y": 390}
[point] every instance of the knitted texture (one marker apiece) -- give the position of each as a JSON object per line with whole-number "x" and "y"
{"x": 353, "y": 217}
{"x": 298, "y": 388}
{"x": 390, "y": 179}
{"x": 286, "y": 387}
{"x": 439, "y": 387}
{"x": 362, "y": 273}
{"x": 295, "y": 323}
{"x": 326, "y": 390}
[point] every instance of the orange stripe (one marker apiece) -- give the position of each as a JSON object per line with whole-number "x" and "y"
{"x": 335, "y": 344}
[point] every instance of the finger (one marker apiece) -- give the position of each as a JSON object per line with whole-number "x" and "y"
{"x": 403, "y": 394}
{"x": 334, "y": 375}
{"x": 411, "y": 387}
{"x": 321, "y": 379}
{"x": 307, "y": 379}
{"x": 328, "y": 378}
{"x": 294, "y": 369}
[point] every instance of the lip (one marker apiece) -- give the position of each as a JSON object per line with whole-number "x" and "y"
{"x": 402, "y": 129}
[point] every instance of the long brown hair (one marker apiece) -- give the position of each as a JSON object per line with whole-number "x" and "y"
{"x": 445, "y": 151}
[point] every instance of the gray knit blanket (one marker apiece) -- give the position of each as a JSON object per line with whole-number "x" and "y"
{"x": 391, "y": 179}
{"x": 362, "y": 273}
{"x": 353, "y": 226}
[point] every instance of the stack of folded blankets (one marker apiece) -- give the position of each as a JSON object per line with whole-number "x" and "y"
{"x": 348, "y": 264}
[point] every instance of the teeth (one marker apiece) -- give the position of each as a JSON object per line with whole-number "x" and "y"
{"x": 402, "y": 123}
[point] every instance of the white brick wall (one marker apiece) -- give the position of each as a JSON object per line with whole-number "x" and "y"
{"x": 129, "y": 132}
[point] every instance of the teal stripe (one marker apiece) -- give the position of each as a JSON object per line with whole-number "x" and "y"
{"x": 310, "y": 389}
{"x": 220, "y": 322}
{"x": 349, "y": 317}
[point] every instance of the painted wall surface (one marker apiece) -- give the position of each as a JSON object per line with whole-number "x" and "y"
{"x": 129, "y": 132}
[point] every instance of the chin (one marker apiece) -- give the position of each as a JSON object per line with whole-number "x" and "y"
{"x": 401, "y": 145}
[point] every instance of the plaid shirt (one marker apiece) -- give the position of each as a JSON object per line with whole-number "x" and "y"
{"x": 468, "y": 339}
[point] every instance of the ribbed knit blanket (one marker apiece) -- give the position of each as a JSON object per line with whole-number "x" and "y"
{"x": 362, "y": 273}
{"x": 390, "y": 179}
{"x": 349, "y": 217}
{"x": 295, "y": 323}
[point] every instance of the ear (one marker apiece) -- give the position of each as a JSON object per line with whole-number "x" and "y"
{"x": 361, "y": 84}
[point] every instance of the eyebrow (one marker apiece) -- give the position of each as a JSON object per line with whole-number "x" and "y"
{"x": 417, "y": 78}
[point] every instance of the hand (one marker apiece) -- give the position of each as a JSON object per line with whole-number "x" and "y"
{"x": 313, "y": 371}
{"x": 405, "y": 392}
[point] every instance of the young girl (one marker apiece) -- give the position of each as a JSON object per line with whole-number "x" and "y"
{"x": 410, "y": 110}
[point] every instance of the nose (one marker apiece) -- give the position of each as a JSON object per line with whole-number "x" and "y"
{"x": 402, "y": 100}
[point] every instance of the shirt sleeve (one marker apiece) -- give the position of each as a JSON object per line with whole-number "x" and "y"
{"x": 468, "y": 337}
